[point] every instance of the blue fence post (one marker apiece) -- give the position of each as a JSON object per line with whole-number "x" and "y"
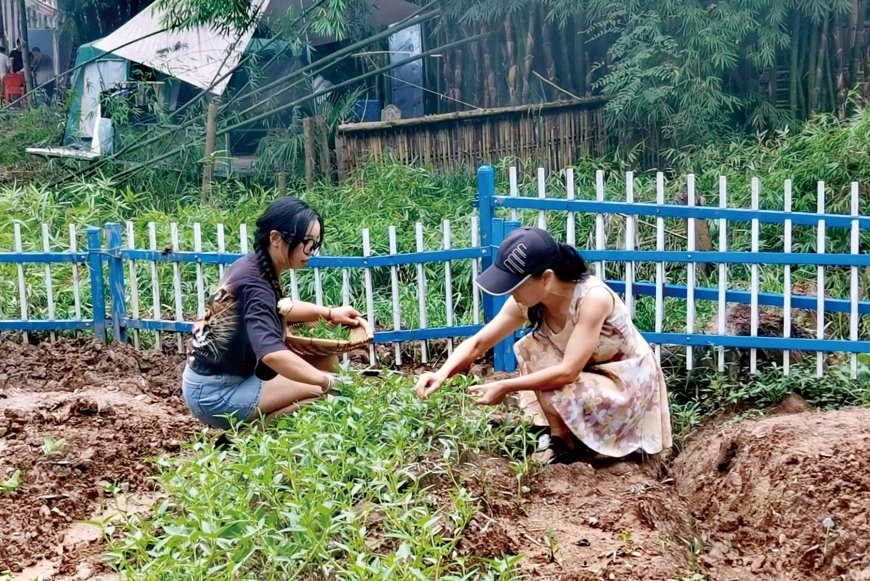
{"x": 117, "y": 286}
{"x": 503, "y": 353}
{"x": 98, "y": 289}
{"x": 486, "y": 213}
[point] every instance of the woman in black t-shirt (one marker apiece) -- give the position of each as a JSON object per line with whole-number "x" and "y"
{"x": 239, "y": 366}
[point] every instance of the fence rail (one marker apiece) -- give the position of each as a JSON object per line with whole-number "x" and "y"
{"x": 417, "y": 295}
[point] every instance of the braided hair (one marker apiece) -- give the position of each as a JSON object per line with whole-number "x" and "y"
{"x": 568, "y": 266}
{"x": 290, "y": 217}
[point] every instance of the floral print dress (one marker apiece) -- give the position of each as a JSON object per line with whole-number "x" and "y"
{"x": 619, "y": 402}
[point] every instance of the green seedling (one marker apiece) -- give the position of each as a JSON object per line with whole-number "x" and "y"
{"x": 12, "y": 483}
{"x": 52, "y": 447}
{"x": 323, "y": 330}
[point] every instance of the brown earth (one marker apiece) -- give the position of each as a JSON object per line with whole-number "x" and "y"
{"x": 782, "y": 497}
{"x": 743, "y": 501}
{"x": 115, "y": 408}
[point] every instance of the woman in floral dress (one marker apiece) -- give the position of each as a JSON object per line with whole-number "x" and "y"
{"x": 595, "y": 378}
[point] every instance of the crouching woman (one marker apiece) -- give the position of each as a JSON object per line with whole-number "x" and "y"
{"x": 239, "y": 367}
{"x": 590, "y": 372}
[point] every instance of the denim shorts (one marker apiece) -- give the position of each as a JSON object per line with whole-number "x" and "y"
{"x": 212, "y": 398}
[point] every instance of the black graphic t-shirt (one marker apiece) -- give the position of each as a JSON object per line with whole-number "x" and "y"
{"x": 241, "y": 325}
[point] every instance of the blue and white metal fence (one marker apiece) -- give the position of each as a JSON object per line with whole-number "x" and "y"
{"x": 114, "y": 305}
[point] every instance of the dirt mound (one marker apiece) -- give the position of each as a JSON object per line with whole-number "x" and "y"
{"x": 78, "y": 422}
{"x": 786, "y": 496}
{"x": 579, "y": 521}
{"x": 88, "y": 362}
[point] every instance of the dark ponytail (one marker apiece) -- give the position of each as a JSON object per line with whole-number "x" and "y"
{"x": 568, "y": 266}
{"x": 291, "y": 217}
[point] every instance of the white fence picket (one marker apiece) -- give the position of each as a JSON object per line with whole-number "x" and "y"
{"x": 820, "y": 281}
{"x": 176, "y": 284}
{"x": 22, "y": 283}
{"x": 600, "y": 235}
{"x": 660, "y": 266}
{"x": 345, "y": 297}
{"x": 475, "y": 270}
{"x": 318, "y": 287}
{"x": 690, "y": 272}
{"x": 370, "y": 297}
{"x": 753, "y": 330}
{"x": 786, "y": 280}
{"x": 243, "y": 238}
{"x": 853, "y": 275}
{"x": 294, "y": 285}
{"x": 570, "y": 226}
{"x": 514, "y": 190}
{"x": 155, "y": 284}
{"x": 49, "y": 287}
{"x": 77, "y": 291}
{"x": 630, "y": 241}
{"x": 448, "y": 283}
{"x": 421, "y": 291}
{"x": 134, "y": 281}
{"x": 394, "y": 288}
{"x": 200, "y": 280}
{"x": 222, "y": 248}
{"x": 542, "y": 194}
{"x": 723, "y": 268}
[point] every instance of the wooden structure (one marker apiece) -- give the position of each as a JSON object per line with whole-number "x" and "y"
{"x": 550, "y": 135}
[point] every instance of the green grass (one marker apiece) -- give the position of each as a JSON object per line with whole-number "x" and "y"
{"x": 343, "y": 489}
{"x": 705, "y": 393}
{"x": 381, "y": 195}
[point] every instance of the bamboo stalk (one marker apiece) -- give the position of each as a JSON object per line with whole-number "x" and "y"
{"x": 529, "y": 60}
{"x": 566, "y": 71}
{"x": 823, "y": 71}
{"x": 793, "y": 65}
{"x": 856, "y": 33}
{"x": 547, "y": 43}
{"x": 511, "y": 58}
{"x": 813, "y": 76}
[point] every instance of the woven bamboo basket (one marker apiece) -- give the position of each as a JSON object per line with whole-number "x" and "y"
{"x": 359, "y": 337}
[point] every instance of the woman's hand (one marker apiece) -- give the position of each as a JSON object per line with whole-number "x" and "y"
{"x": 491, "y": 393}
{"x": 428, "y": 383}
{"x": 345, "y": 316}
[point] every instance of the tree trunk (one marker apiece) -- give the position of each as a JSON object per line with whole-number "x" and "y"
{"x": 566, "y": 71}
{"x": 457, "y": 76}
{"x": 858, "y": 47}
{"x": 489, "y": 84}
{"x": 851, "y": 41}
{"x": 25, "y": 48}
{"x": 839, "y": 61}
{"x": 511, "y": 58}
{"x": 823, "y": 70}
{"x": 813, "y": 75}
{"x": 449, "y": 81}
{"x": 794, "y": 73}
{"x": 547, "y": 44}
{"x": 529, "y": 60}
{"x": 582, "y": 85}
{"x": 476, "y": 84}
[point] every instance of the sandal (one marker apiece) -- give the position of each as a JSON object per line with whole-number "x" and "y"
{"x": 562, "y": 454}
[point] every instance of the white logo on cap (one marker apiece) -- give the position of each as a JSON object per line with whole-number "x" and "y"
{"x": 516, "y": 260}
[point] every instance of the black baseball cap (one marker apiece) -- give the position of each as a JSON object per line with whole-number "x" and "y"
{"x": 526, "y": 251}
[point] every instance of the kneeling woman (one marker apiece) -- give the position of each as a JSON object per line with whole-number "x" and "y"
{"x": 596, "y": 379}
{"x": 239, "y": 366}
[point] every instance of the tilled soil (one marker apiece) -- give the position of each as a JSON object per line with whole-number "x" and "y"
{"x": 782, "y": 497}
